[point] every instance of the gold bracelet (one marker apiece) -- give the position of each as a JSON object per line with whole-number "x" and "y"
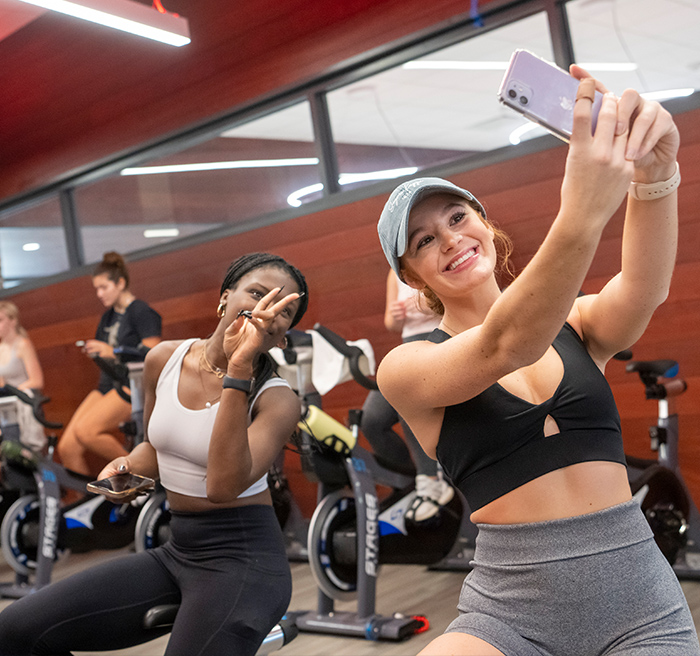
{"x": 654, "y": 190}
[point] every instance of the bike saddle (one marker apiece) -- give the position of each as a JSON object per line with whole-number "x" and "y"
{"x": 160, "y": 616}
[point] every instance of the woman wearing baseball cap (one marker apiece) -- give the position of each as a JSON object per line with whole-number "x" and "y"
{"x": 509, "y": 394}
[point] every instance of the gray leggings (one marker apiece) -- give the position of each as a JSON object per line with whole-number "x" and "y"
{"x": 581, "y": 586}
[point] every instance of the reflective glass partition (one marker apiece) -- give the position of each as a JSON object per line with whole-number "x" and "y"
{"x": 32, "y": 243}
{"x": 245, "y": 172}
{"x": 649, "y": 45}
{"x": 434, "y": 109}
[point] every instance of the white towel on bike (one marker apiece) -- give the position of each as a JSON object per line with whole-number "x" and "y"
{"x": 330, "y": 368}
{"x": 31, "y": 432}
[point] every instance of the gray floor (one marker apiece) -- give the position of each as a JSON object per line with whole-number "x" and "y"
{"x": 406, "y": 589}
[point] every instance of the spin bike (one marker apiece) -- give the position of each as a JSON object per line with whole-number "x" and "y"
{"x": 658, "y": 484}
{"x": 352, "y": 531}
{"x": 36, "y": 530}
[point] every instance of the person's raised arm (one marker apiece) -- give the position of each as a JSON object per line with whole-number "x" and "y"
{"x": 240, "y": 454}
{"x": 616, "y": 317}
{"x": 394, "y": 310}
{"x": 523, "y": 321}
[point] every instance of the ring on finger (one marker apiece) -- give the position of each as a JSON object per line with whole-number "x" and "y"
{"x": 245, "y": 313}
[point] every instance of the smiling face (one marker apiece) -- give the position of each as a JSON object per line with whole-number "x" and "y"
{"x": 450, "y": 246}
{"x": 246, "y": 293}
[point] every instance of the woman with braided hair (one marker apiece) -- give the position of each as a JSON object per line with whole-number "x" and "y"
{"x": 216, "y": 417}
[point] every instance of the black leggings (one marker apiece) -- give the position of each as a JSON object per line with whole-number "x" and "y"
{"x": 226, "y": 568}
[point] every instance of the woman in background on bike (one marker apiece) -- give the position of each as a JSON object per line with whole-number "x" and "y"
{"x": 405, "y": 312}
{"x": 128, "y": 321}
{"x": 20, "y": 367}
{"x": 509, "y": 394}
{"x": 217, "y": 416}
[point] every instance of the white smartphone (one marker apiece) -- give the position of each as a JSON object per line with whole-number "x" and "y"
{"x": 542, "y": 93}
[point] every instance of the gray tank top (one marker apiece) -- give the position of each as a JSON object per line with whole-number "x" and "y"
{"x": 13, "y": 371}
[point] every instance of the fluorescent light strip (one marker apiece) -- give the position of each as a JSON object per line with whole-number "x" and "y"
{"x": 668, "y": 94}
{"x": 124, "y": 15}
{"x": 517, "y": 134}
{"x": 218, "y": 166}
{"x": 31, "y": 246}
{"x": 432, "y": 64}
{"x": 502, "y": 66}
{"x": 294, "y": 199}
{"x": 154, "y": 233}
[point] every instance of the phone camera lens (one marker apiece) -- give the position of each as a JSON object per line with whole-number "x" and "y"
{"x": 512, "y": 93}
{"x": 523, "y": 100}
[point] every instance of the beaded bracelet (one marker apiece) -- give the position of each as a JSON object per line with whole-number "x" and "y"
{"x": 237, "y": 384}
{"x": 654, "y": 190}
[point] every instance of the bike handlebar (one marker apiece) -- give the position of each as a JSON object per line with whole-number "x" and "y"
{"x": 130, "y": 353}
{"x": 352, "y": 353}
{"x": 651, "y": 370}
{"x": 35, "y": 402}
{"x": 117, "y": 370}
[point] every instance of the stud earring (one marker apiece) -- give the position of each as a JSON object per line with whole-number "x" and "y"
{"x": 221, "y": 310}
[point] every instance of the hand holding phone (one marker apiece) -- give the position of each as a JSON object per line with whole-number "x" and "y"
{"x": 121, "y": 486}
{"x": 543, "y": 93}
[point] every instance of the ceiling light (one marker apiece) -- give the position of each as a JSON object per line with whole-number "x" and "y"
{"x": 154, "y": 233}
{"x": 457, "y": 65}
{"x": 433, "y": 64}
{"x": 31, "y": 246}
{"x": 516, "y": 135}
{"x": 667, "y": 94}
{"x": 294, "y": 199}
{"x": 125, "y": 15}
{"x": 218, "y": 166}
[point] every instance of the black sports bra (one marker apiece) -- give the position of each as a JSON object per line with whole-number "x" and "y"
{"x": 494, "y": 442}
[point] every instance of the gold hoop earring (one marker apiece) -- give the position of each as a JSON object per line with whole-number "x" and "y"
{"x": 286, "y": 342}
{"x": 221, "y": 310}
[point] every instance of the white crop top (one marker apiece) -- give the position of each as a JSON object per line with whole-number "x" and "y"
{"x": 181, "y": 436}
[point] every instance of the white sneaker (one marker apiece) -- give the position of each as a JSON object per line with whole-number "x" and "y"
{"x": 432, "y": 492}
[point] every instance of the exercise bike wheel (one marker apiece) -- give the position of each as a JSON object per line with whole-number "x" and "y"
{"x": 335, "y": 579}
{"x": 19, "y": 535}
{"x": 153, "y": 523}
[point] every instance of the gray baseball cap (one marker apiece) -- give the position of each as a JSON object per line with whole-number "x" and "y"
{"x": 393, "y": 223}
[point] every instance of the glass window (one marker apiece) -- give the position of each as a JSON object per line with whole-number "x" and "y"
{"x": 245, "y": 172}
{"x": 434, "y": 109}
{"x": 32, "y": 243}
{"x": 649, "y": 46}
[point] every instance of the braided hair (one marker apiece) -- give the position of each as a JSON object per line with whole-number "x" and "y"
{"x": 265, "y": 367}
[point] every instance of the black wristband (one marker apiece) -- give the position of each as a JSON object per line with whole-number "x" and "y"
{"x": 237, "y": 384}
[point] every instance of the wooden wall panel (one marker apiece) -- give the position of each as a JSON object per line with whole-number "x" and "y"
{"x": 339, "y": 253}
